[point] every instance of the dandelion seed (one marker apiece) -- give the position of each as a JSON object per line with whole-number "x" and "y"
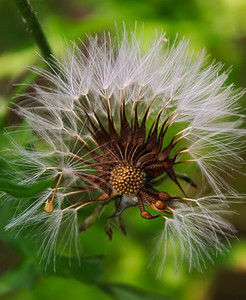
{"x": 118, "y": 120}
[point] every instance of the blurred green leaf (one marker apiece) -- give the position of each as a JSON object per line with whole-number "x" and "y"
{"x": 19, "y": 136}
{"x": 87, "y": 270}
{"x": 123, "y": 292}
{"x": 23, "y": 276}
{"x": 3, "y": 109}
{"x": 19, "y": 191}
{"x": 28, "y": 78}
{"x": 63, "y": 288}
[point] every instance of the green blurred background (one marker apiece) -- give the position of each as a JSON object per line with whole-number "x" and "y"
{"x": 119, "y": 269}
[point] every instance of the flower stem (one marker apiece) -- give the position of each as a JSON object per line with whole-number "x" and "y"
{"x": 34, "y": 27}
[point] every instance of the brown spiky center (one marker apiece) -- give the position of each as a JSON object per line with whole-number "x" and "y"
{"x": 127, "y": 178}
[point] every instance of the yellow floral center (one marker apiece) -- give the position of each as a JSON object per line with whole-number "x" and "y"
{"x": 127, "y": 179}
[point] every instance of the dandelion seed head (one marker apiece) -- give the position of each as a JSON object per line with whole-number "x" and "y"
{"x": 116, "y": 118}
